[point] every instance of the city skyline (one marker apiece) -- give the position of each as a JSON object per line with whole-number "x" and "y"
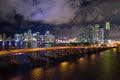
{"x": 90, "y": 33}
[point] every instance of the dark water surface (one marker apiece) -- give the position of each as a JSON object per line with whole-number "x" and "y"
{"x": 97, "y": 66}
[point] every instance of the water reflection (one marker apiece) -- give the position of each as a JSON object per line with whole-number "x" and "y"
{"x": 106, "y": 64}
{"x": 97, "y": 66}
{"x": 93, "y": 58}
{"x": 67, "y": 69}
{"x": 81, "y": 60}
{"x": 101, "y": 54}
{"x": 36, "y": 74}
{"x": 64, "y": 64}
{"x": 17, "y": 78}
{"x": 82, "y": 65}
{"x": 114, "y": 50}
{"x": 50, "y": 74}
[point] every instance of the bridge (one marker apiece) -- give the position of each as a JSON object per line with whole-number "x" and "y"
{"x": 8, "y": 52}
{"x": 52, "y": 52}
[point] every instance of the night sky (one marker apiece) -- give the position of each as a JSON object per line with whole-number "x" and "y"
{"x": 58, "y": 16}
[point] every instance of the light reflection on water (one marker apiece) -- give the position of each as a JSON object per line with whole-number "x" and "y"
{"x": 92, "y": 58}
{"x": 97, "y": 66}
{"x": 36, "y": 74}
{"x": 17, "y": 78}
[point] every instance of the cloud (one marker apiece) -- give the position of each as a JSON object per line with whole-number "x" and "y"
{"x": 74, "y": 31}
{"x": 60, "y": 11}
{"x": 114, "y": 31}
{"x": 46, "y": 11}
{"x": 116, "y": 11}
{"x": 99, "y": 11}
{"x": 6, "y": 12}
{"x": 95, "y": 14}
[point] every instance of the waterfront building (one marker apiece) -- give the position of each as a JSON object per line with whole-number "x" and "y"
{"x": 107, "y": 28}
{"x": 83, "y": 36}
{"x": 96, "y": 33}
{"x": 29, "y": 35}
{"x": 25, "y": 35}
{"x": 101, "y": 35}
{"x": 18, "y": 37}
{"x": 38, "y": 36}
{"x": 4, "y": 37}
{"x": 49, "y": 38}
{"x": 0, "y": 37}
{"x": 87, "y": 34}
{"x": 90, "y": 33}
{"x": 42, "y": 38}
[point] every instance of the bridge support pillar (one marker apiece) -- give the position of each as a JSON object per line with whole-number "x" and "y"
{"x": 34, "y": 56}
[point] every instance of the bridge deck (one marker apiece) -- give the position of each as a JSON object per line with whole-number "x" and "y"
{"x": 6, "y": 52}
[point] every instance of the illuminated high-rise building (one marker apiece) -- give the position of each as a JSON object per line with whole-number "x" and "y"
{"x": 107, "y": 27}
{"x": 87, "y": 34}
{"x": 49, "y": 38}
{"x": 25, "y": 36}
{"x": 38, "y": 36}
{"x": 90, "y": 33}
{"x": 83, "y": 36}
{"x": 4, "y": 37}
{"x": 0, "y": 37}
{"x": 29, "y": 34}
{"x": 18, "y": 37}
{"x": 101, "y": 35}
{"x": 96, "y": 33}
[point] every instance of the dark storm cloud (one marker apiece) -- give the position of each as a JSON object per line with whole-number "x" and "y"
{"x": 100, "y": 10}
{"x": 60, "y": 11}
{"x": 47, "y": 11}
{"x": 74, "y": 31}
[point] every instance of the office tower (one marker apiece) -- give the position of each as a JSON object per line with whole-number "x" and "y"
{"x": 0, "y": 37}
{"x": 90, "y": 33}
{"x": 29, "y": 35}
{"x": 101, "y": 35}
{"x": 4, "y": 37}
{"x": 18, "y": 37}
{"x": 38, "y": 36}
{"x": 96, "y": 33}
{"x": 25, "y": 36}
{"x": 49, "y": 38}
{"x": 83, "y": 36}
{"x": 107, "y": 28}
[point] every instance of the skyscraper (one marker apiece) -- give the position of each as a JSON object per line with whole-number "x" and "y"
{"x": 96, "y": 33}
{"x": 0, "y": 37}
{"x": 49, "y": 38}
{"x": 90, "y": 33}
{"x": 87, "y": 34}
{"x": 4, "y": 37}
{"x": 38, "y": 36}
{"x": 29, "y": 34}
{"x": 107, "y": 28}
{"x": 101, "y": 35}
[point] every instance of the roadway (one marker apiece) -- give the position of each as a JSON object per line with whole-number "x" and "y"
{"x": 15, "y": 51}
